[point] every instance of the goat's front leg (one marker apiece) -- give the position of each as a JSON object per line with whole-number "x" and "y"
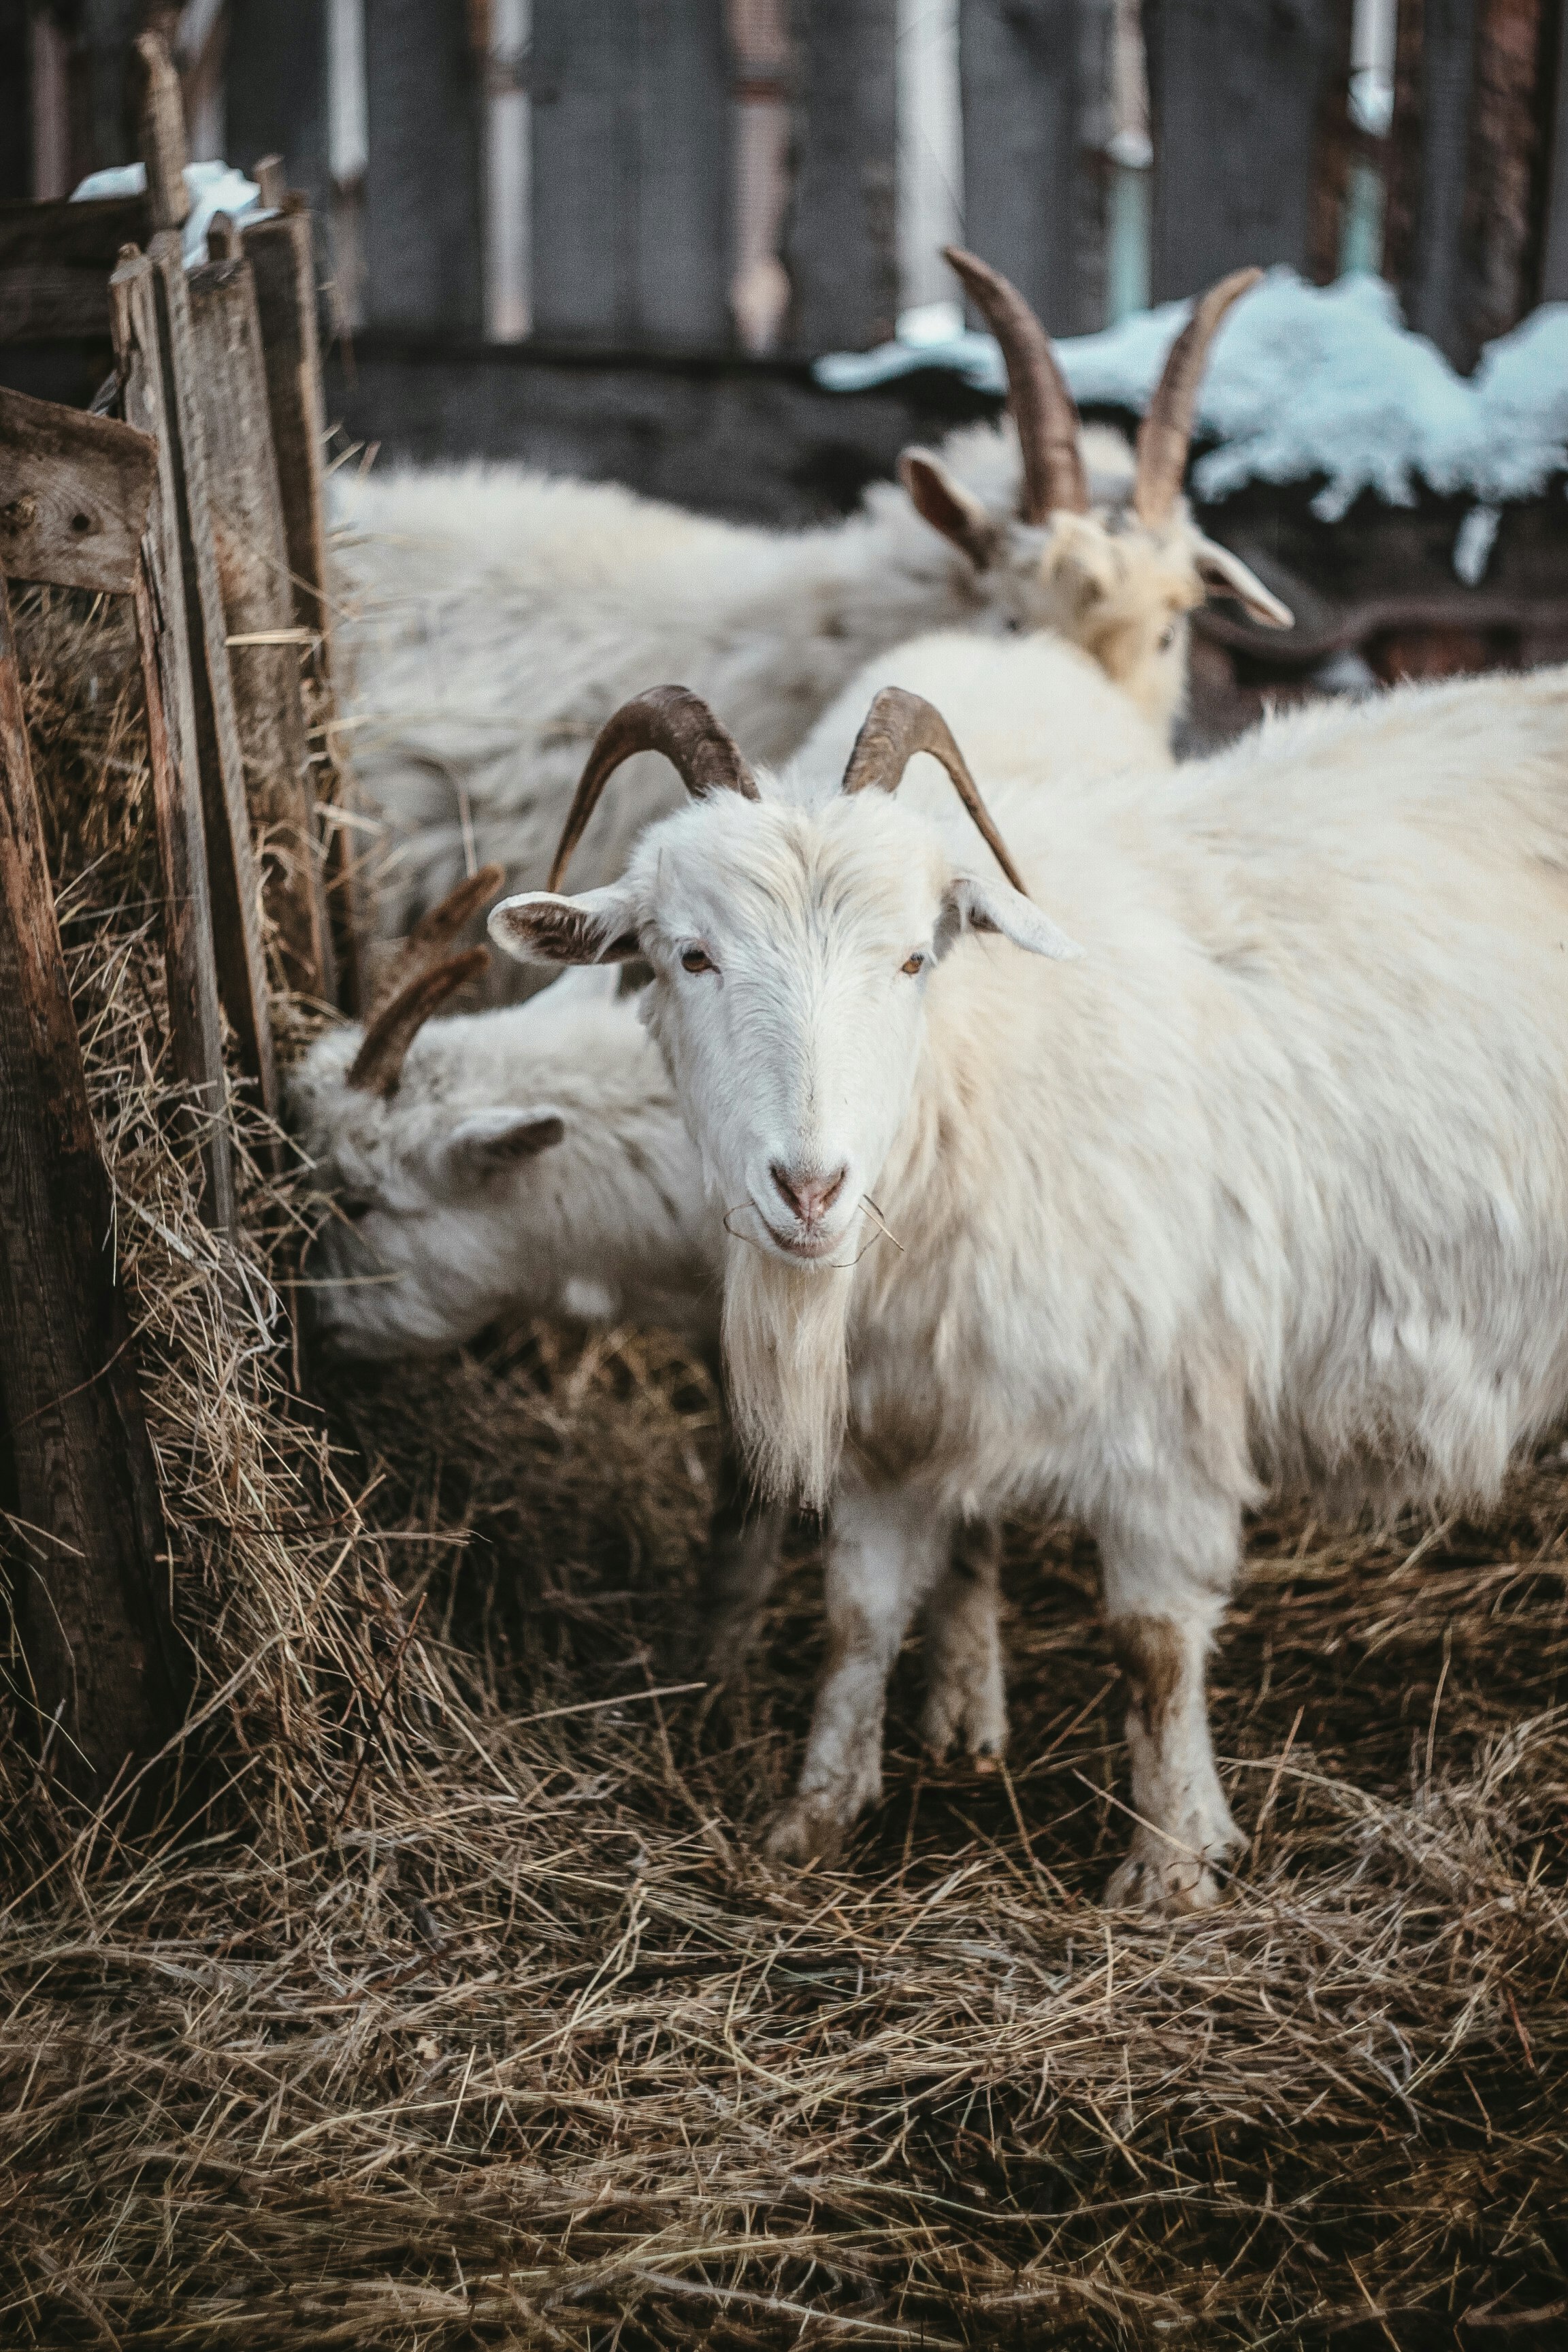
{"x": 1166, "y": 1586}
{"x": 965, "y": 1697}
{"x": 886, "y": 1552}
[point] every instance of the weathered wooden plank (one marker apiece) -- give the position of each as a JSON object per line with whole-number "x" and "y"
{"x": 231, "y": 862}
{"x": 631, "y": 173}
{"x": 161, "y": 134}
{"x": 1236, "y": 92}
{"x": 55, "y": 261}
{"x": 275, "y": 89}
{"x": 252, "y": 554}
{"x": 76, "y": 490}
{"x": 103, "y": 1668}
{"x": 422, "y": 203}
{"x": 281, "y": 256}
{"x": 15, "y": 105}
{"x": 1035, "y": 77}
{"x": 196, "y": 1031}
{"x": 842, "y": 249}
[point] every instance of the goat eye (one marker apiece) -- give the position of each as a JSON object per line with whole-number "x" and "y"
{"x": 911, "y": 964}
{"x": 1167, "y": 637}
{"x": 696, "y": 960}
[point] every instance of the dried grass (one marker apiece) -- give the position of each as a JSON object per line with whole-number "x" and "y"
{"x": 464, "y": 2014}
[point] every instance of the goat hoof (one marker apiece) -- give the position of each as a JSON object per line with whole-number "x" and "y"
{"x": 975, "y": 1719}
{"x": 806, "y": 1830}
{"x": 1162, "y": 1889}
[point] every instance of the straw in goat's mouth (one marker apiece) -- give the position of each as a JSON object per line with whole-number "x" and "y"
{"x": 884, "y": 1232}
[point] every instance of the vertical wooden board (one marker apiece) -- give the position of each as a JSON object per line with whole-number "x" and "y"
{"x": 231, "y": 862}
{"x": 1433, "y": 291}
{"x": 1235, "y": 89}
{"x": 582, "y": 169}
{"x": 275, "y": 89}
{"x": 16, "y": 106}
{"x": 252, "y": 556}
{"x": 422, "y": 197}
{"x": 89, "y": 1588}
{"x": 282, "y": 260}
{"x": 842, "y": 249}
{"x": 1034, "y": 83}
{"x": 681, "y": 218}
{"x": 1554, "y": 233}
{"x": 164, "y": 639}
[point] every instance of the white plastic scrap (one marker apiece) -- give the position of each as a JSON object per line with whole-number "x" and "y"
{"x": 212, "y": 188}
{"x": 1309, "y": 381}
{"x": 1473, "y": 544}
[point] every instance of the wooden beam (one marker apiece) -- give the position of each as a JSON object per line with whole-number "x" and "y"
{"x": 1035, "y": 85}
{"x": 842, "y": 245}
{"x": 252, "y": 554}
{"x": 422, "y": 210}
{"x": 55, "y": 261}
{"x": 163, "y": 642}
{"x": 1236, "y": 96}
{"x": 87, "y": 1539}
{"x": 163, "y": 133}
{"x": 231, "y": 862}
{"x": 76, "y": 491}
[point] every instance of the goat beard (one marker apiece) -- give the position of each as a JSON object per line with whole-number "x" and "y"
{"x": 787, "y": 1367}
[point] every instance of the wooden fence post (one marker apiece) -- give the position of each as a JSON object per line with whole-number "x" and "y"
{"x": 1035, "y": 85}
{"x": 275, "y": 71}
{"x": 1238, "y": 91}
{"x": 252, "y": 555}
{"x": 422, "y": 181}
{"x": 164, "y": 636}
{"x": 842, "y": 242}
{"x": 231, "y": 863}
{"x": 631, "y": 172}
{"x": 91, "y": 1586}
{"x": 282, "y": 260}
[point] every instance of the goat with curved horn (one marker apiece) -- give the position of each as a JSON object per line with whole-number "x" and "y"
{"x": 1166, "y": 432}
{"x": 898, "y": 725}
{"x": 1044, "y": 409}
{"x": 431, "y": 938}
{"x": 377, "y": 1067}
{"x": 667, "y": 719}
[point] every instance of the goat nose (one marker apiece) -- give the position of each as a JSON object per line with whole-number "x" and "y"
{"x": 810, "y": 1197}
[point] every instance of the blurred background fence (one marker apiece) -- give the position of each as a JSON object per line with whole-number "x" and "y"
{"x": 611, "y": 233}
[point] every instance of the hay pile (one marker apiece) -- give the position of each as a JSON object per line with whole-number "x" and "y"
{"x": 463, "y": 2013}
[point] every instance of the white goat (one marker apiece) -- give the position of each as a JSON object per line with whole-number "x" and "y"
{"x": 531, "y": 1161}
{"x": 1270, "y": 1188}
{"x": 494, "y": 617}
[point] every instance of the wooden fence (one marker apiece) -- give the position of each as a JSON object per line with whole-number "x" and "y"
{"x": 201, "y": 503}
{"x": 642, "y": 159}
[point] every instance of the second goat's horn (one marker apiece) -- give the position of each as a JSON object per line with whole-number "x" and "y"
{"x": 1166, "y": 432}
{"x": 1043, "y": 408}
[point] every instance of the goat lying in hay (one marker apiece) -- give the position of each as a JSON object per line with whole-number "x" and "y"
{"x": 496, "y": 617}
{"x": 1269, "y": 1186}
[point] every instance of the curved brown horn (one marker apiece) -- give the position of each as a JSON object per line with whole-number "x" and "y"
{"x": 898, "y": 725}
{"x": 667, "y": 719}
{"x": 1047, "y": 418}
{"x": 433, "y": 934}
{"x": 1167, "y": 429}
{"x": 377, "y": 1067}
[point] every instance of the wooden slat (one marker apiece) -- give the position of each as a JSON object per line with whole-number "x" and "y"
{"x": 842, "y": 247}
{"x": 55, "y": 261}
{"x": 253, "y": 579}
{"x": 1236, "y": 89}
{"x": 76, "y": 490}
{"x": 275, "y": 89}
{"x": 1035, "y": 84}
{"x": 15, "y": 105}
{"x": 164, "y": 645}
{"x": 281, "y": 257}
{"x": 89, "y": 1586}
{"x": 631, "y": 140}
{"x": 423, "y": 241}
{"x": 161, "y": 134}
{"x": 231, "y": 862}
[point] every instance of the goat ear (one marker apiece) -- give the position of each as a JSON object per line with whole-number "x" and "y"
{"x": 542, "y": 927}
{"x": 969, "y": 905}
{"x": 489, "y": 1139}
{"x": 943, "y": 503}
{"x": 1225, "y": 575}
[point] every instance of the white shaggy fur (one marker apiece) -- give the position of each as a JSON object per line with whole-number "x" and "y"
{"x": 1271, "y": 1188}
{"x": 493, "y": 618}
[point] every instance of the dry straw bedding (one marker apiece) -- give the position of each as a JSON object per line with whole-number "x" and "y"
{"x": 460, "y": 2012}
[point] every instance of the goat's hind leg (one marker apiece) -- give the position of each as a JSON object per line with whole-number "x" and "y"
{"x": 965, "y": 1702}
{"x": 1165, "y": 1587}
{"x": 886, "y": 1551}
